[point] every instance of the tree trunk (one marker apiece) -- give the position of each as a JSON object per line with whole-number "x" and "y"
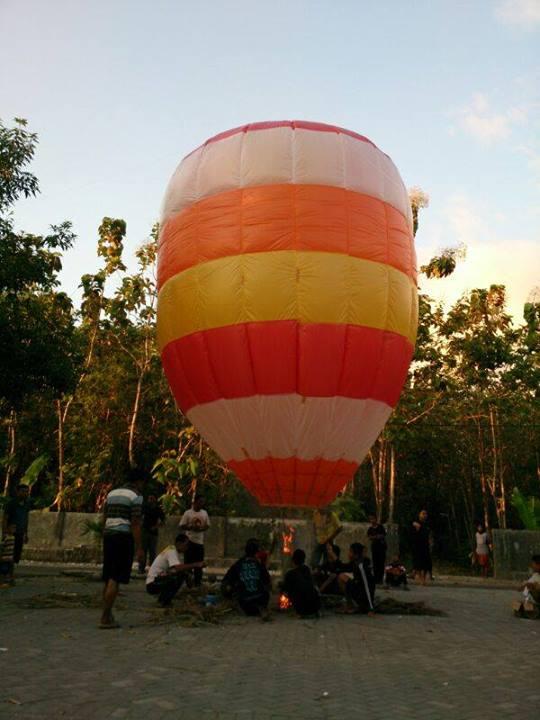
{"x": 483, "y": 486}
{"x": 502, "y": 487}
{"x": 133, "y": 422}
{"x": 60, "y": 487}
{"x": 392, "y": 485}
{"x": 12, "y": 437}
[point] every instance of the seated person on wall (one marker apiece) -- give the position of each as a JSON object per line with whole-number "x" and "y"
{"x": 357, "y": 582}
{"x": 395, "y": 574}
{"x": 248, "y": 582}
{"x": 299, "y": 588}
{"x": 326, "y": 575}
{"x": 529, "y": 605}
{"x": 167, "y": 573}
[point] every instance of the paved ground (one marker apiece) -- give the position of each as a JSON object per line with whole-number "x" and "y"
{"x": 478, "y": 662}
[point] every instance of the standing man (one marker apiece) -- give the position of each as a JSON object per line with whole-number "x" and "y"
{"x": 153, "y": 519}
{"x": 377, "y": 537}
{"x": 421, "y": 547}
{"x": 15, "y": 521}
{"x": 121, "y": 540}
{"x": 195, "y": 522}
{"x": 327, "y": 527}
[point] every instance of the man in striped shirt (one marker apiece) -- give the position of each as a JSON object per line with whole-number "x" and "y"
{"x": 121, "y": 540}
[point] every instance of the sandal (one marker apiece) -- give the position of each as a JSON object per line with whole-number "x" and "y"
{"x": 113, "y": 625}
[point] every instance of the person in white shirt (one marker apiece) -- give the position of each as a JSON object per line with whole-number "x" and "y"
{"x": 530, "y": 603}
{"x": 483, "y": 547}
{"x": 195, "y": 522}
{"x": 167, "y": 573}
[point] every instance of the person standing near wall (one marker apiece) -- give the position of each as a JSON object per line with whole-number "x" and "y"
{"x": 377, "y": 537}
{"x": 15, "y": 521}
{"x": 121, "y": 540}
{"x": 482, "y": 550}
{"x": 195, "y": 522}
{"x": 421, "y": 547}
{"x": 153, "y": 518}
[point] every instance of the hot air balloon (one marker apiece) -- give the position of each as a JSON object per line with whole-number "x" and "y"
{"x": 287, "y": 307}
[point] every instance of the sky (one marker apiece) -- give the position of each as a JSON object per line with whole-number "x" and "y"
{"x": 120, "y": 90}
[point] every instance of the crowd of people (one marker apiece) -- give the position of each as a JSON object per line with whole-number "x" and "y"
{"x": 131, "y": 530}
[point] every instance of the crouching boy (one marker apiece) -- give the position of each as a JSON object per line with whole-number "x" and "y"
{"x": 395, "y": 575}
{"x": 167, "y": 573}
{"x": 358, "y": 583}
{"x": 529, "y": 605}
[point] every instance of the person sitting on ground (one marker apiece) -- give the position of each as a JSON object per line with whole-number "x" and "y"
{"x": 395, "y": 574}
{"x": 299, "y": 588}
{"x": 530, "y": 603}
{"x": 248, "y": 582}
{"x": 326, "y": 575}
{"x": 358, "y": 583}
{"x": 167, "y": 573}
{"x": 263, "y": 554}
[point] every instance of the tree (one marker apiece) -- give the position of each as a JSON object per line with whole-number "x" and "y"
{"x": 37, "y": 351}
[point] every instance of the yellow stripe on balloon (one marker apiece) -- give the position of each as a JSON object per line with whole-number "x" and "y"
{"x": 311, "y": 287}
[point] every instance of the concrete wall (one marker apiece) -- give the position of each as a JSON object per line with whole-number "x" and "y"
{"x": 512, "y": 550}
{"x": 58, "y": 537}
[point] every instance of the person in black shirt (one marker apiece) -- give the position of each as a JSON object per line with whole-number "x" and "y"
{"x": 326, "y": 575}
{"x": 248, "y": 582}
{"x": 299, "y": 588}
{"x": 153, "y": 517}
{"x": 357, "y": 582}
{"x": 421, "y": 547}
{"x": 377, "y": 537}
{"x": 16, "y": 515}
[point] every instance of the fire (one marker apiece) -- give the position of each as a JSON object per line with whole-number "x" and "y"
{"x": 284, "y": 602}
{"x": 288, "y": 540}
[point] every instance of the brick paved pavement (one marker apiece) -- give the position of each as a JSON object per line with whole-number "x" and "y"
{"x": 477, "y": 663}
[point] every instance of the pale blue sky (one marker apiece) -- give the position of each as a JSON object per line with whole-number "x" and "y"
{"x": 120, "y": 90}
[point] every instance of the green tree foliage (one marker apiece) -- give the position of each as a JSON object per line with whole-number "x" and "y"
{"x": 37, "y": 348}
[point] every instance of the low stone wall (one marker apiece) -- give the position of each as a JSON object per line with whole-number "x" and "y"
{"x": 512, "y": 550}
{"x": 64, "y": 537}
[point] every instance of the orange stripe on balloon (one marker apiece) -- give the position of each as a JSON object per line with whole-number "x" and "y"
{"x": 286, "y": 217}
{"x": 307, "y": 483}
{"x": 281, "y": 357}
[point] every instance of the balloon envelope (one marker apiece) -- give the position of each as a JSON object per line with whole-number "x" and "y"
{"x": 287, "y": 305}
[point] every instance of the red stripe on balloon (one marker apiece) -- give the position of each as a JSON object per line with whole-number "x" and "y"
{"x": 293, "y": 124}
{"x": 282, "y": 357}
{"x": 290, "y": 481}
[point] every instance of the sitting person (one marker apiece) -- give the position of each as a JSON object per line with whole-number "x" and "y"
{"x": 248, "y": 582}
{"x": 530, "y": 603}
{"x": 326, "y": 575}
{"x": 395, "y": 574}
{"x": 357, "y": 582}
{"x": 167, "y": 573}
{"x": 7, "y": 554}
{"x": 299, "y": 588}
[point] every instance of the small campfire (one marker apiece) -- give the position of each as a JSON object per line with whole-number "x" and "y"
{"x": 284, "y": 602}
